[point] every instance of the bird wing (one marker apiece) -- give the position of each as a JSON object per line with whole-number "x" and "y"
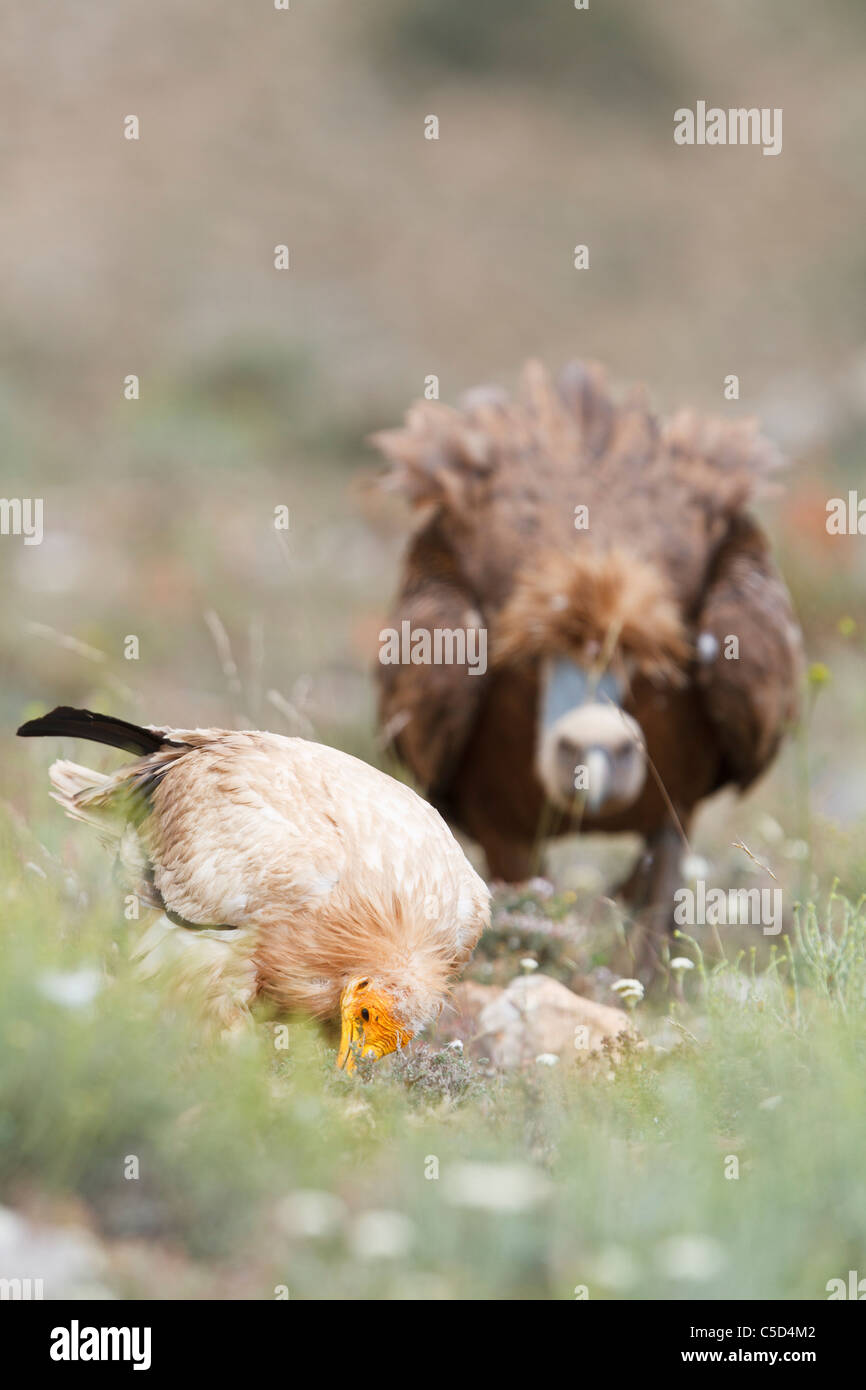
{"x": 427, "y": 711}
{"x": 249, "y": 828}
{"x": 232, "y": 825}
{"x": 752, "y": 696}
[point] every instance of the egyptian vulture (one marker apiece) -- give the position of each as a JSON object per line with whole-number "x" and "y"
{"x": 281, "y": 868}
{"x": 641, "y": 647}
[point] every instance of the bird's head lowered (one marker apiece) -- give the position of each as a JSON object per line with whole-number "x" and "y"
{"x": 371, "y": 1023}
{"x": 389, "y": 955}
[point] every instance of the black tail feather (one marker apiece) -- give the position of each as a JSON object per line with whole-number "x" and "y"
{"x": 65, "y": 722}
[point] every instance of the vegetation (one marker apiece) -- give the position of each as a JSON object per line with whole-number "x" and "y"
{"x": 261, "y": 1163}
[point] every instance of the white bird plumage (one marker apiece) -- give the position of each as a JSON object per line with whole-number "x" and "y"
{"x": 300, "y": 870}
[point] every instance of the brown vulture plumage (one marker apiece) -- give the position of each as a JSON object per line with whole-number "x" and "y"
{"x": 631, "y": 605}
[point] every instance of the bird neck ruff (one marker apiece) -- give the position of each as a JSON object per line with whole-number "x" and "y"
{"x": 591, "y": 606}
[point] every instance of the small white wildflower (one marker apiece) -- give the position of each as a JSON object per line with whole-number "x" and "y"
{"x": 632, "y": 991}
{"x": 615, "y": 1268}
{"x": 528, "y": 965}
{"x": 67, "y": 1257}
{"x": 546, "y": 1059}
{"x": 455, "y": 1046}
{"x": 495, "y": 1186}
{"x": 682, "y": 963}
{"x": 691, "y": 1257}
{"x": 770, "y": 830}
{"x": 309, "y": 1213}
{"x": 74, "y": 989}
{"x": 381, "y": 1235}
{"x": 541, "y": 887}
{"x": 796, "y": 849}
{"x": 694, "y": 866}
{"x": 12, "y": 1230}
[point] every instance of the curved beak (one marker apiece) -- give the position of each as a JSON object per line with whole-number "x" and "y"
{"x": 351, "y": 1037}
{"x": 598, "y": 777}
{"x": 353, "y": 1043}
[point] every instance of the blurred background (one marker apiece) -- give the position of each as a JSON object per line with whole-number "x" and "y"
{"x": 409, "y": 257}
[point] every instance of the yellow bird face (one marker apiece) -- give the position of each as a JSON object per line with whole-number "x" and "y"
{"x": 369, "y": 1024}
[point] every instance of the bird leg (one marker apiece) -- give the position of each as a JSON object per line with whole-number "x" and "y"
{"x": 514, "y": 861}
{"x": 649, "y": 894}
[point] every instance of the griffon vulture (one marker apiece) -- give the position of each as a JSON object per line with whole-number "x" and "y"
{"x": 642, "y": 650}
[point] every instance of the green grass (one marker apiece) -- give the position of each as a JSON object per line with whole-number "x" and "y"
{"x": 547, "y": 1181}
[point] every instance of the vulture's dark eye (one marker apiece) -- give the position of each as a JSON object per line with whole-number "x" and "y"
{"x": 365, "y": 1014}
